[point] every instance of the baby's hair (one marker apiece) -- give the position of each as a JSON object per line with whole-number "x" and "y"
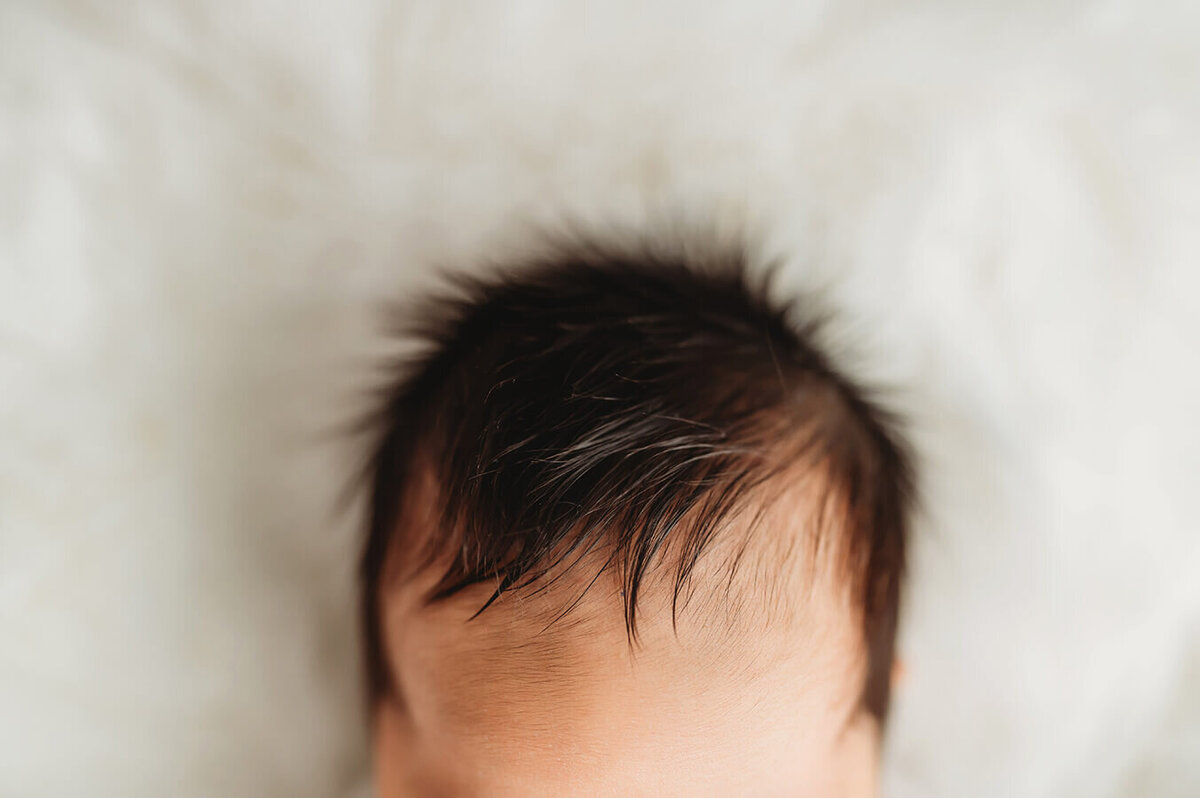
{"x": 622, "y": 401}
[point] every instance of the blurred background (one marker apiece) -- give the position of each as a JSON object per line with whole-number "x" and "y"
{"x": 204, "y": 205}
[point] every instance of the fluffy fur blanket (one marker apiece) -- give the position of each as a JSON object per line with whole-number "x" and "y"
{"x": 204, "y": 206}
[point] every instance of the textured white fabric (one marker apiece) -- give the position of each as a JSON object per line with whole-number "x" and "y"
{"x": 203, "y": 207}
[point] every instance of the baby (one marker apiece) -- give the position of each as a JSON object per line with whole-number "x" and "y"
{"x": 631, "y": 533}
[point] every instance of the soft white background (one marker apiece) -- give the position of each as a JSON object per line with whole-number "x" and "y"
{"x": 204, "y": 205}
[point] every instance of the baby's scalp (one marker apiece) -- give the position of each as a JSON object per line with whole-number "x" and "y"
{"x": 626, "y": 438}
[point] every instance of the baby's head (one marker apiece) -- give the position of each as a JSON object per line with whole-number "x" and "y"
{"x": 631, "y": 533}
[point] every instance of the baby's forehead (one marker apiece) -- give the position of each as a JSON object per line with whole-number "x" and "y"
{"x": 504, "y": 701}
{"x": 766, "y": 622}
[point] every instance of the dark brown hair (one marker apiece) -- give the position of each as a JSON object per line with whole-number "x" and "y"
{"x": 622, "y": 398}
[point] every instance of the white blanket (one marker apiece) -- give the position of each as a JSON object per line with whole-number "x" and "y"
{"x": 204, "y": 206}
